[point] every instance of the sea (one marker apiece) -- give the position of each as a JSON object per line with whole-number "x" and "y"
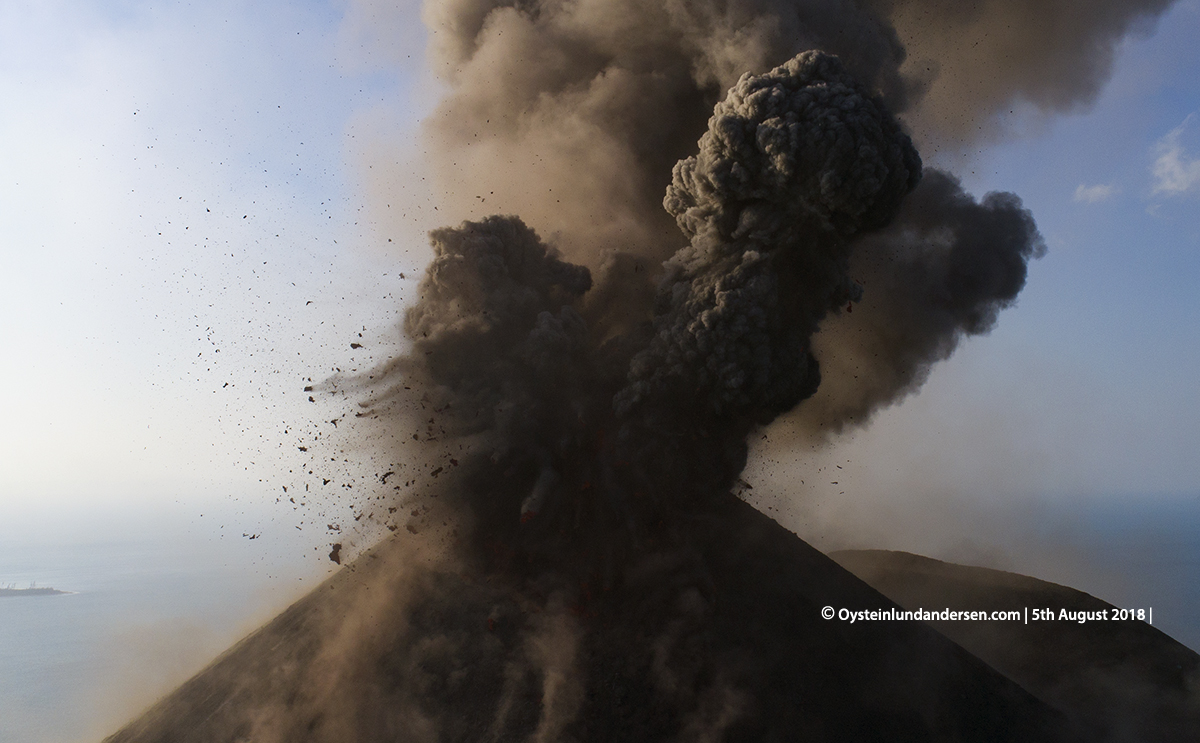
{"x": 148, "y": 608}
{"x": 142, "y": 613}
{"x": 1137, "y": 552}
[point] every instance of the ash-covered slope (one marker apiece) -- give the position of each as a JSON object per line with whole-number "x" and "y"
{"x": 378, "y": 654}
{"x": 1118, "y": 679}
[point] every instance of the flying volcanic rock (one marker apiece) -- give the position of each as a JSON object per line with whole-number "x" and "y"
{"x": 584, "y": 574}
{"x": 584, "y": 431}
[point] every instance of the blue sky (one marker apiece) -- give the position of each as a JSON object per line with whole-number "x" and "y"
{"x": 1086, "y": 388}
{"x": 181, "y": 178}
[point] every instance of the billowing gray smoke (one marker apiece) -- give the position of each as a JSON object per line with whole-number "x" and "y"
{"x": 595, "y": 408}
{"x": 943, "y": 268}
{"x": 794, "y": 164}
{"x": 573, "y": 115}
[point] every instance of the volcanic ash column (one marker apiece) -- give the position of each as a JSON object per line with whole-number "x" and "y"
{"x": 582, "y": 572}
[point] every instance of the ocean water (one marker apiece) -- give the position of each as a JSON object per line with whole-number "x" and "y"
{"x": 143, "y": 615}
{"x": 1136, "y": 552}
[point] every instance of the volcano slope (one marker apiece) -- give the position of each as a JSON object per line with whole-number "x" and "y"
{"x": 1118, "y": 679}
{"x": 399, "y": 647}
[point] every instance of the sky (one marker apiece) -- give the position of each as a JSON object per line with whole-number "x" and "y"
{"x": 193, "y": 229}
{"x": 1085, "y": 392}
{"x": 183, "y": 240}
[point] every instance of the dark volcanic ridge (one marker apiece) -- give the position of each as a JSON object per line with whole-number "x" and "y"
{"x": 1119, "y": 680}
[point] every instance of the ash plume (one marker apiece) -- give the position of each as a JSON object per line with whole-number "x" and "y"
{"x": 574, "y": 115}
{"x": 598, "y": 363}
{"x": 599, "y": 420}
{"x": 981, "y": 59}
{"x": 794, "y": 164}
{"x": 942, "y": 270}
{"x": 589, "y": 359}
{"x": 604, "y": 426}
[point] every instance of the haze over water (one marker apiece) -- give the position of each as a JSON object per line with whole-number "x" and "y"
{"x": 150, "y": 603}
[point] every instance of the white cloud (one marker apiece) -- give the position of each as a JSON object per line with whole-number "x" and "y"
{"x": 1093, "y": 194}
{"x": 1175, "y": 172}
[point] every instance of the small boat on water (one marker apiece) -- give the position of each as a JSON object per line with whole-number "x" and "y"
{"x": 33, "y": 590}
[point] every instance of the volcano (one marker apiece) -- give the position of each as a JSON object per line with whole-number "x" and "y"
{"x": 571, "y": 426}
{"x": 376, "y": 654}
{"x": 579, "y": 569}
